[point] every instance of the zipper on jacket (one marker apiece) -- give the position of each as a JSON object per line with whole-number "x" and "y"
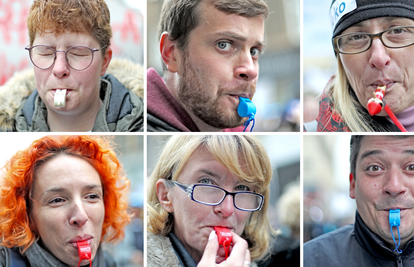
{"x": 399, "y": 261}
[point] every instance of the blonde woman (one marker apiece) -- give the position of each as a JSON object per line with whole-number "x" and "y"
{"x": 201, "y": 182}
{"x": 372, "y": 41}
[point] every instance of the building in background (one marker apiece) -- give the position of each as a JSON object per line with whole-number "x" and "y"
{"x": 326, "y": 202}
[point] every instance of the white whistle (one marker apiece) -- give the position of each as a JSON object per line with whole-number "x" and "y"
{"x": 60, "y": 98}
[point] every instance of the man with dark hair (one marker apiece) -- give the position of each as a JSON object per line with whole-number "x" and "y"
{"x": 210, "y": 51}
{"x": 382, "y": 183}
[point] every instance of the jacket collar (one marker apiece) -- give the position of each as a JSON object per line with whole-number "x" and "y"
{"x": 375, "y": 245}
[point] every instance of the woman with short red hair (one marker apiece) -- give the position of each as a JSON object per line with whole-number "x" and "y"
{"x": 58, "y": 192}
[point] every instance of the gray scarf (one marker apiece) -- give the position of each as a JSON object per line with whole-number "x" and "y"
{"x": 39, "y": 257}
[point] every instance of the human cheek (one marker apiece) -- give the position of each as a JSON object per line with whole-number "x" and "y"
{"x": 242, "y": 217}
{"x": 354, "y": 73}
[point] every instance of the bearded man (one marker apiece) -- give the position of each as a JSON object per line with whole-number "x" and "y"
{"x": 210, "y": 50}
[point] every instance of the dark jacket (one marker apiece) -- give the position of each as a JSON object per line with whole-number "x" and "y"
{"x": 21, "y": 108}
{"x": 354, "y": 245}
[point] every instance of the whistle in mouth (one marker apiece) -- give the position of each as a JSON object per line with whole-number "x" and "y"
{"x": 246, "y": 108}
{"x": 376, "y": 104}
{"x": 394, "y": 218}
{"x": 84, "y": 252}
{"x": 60, "y": 98}
{"x": 224, "y": 237}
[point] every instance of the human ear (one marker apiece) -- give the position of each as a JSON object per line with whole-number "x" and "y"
{"x": 168, "y": 52}
{"x": 163, "y": 196}
{"x": 351, "y": 186}
{"x": 106, "y": 59}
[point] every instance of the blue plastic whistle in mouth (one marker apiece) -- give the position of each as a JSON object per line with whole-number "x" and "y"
{"x": 394, "y": 218}
{"x": 395, "y": 221}
{"x": 246, "y": 108}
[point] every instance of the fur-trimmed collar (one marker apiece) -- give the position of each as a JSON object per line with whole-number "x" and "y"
{"x": 23, "y": 83}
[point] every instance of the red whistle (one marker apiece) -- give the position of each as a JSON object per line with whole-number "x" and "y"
{"x": 224, "y": 237}
{"x": 376, "y": 104}
{"x": 84, "y": 251}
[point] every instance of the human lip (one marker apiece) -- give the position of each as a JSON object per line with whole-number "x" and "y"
{"x": 387, "y": 83}
{"x": 74, "y": 241}
{"x": 241, "y": 95}
{"x": 222, "y": 226}
{"x": 55, "y": 89}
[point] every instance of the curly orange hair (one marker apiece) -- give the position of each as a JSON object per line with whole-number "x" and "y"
{"x": 16, "y": 228}
{"x": 75, "y": 16}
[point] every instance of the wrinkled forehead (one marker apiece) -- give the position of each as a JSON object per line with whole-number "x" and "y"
{"x": 386, "y": 145}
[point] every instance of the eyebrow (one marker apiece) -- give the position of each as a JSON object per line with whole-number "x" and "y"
{"x": 377, "y": 152}
{"x": 62, "y": 189}
{"x": 239, "y": 37}
{"x": 215, "y": 175}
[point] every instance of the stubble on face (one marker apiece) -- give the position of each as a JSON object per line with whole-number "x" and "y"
{"x": 194, "y": 95}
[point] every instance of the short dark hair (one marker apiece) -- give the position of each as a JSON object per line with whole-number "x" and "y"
{"x": 356, "y": 146}
{"x": 180, "y": 17}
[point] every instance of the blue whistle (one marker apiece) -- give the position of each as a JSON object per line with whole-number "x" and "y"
{"x": 394, "y": 218}
{"x": 246, "y": 108}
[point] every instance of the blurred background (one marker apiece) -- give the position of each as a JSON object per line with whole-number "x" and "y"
{"x": 326, "y": 202}
{"x": 129, "y": 150}
{"x": 278, "y": 88}
{"x": 319, "y": 62}
{"x": 127, "y": 21}
{"x": 284, "y": 203}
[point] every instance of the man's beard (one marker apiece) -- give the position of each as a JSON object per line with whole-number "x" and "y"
{"x": 194, "y": 96}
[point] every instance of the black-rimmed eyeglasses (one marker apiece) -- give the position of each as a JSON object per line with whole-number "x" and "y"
{"x": 213, "y": 195}
{"x": 354, "y": 43}
{"x": 78, "y": 57}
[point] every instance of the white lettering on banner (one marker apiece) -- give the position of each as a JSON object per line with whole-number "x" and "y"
{"x": 340, "y": 8}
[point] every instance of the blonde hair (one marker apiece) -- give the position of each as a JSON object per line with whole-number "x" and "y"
{"x": 346, "y": 103}
{"x": 243, "y": 155}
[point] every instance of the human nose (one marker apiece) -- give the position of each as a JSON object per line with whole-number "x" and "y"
{"x": 226, "y": 208}
{"x": 78, "y": 217}
{"x": 61, "y": 66}
{"x": 247, "y": 67}
{"x": 394, "y": 183}
{"x": 379, "y": 56}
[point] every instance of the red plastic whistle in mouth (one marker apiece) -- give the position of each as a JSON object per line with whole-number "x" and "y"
{"x": 224, "y": 237}
{"x": 84, "y": 251}
{"x": 376, "y": 104}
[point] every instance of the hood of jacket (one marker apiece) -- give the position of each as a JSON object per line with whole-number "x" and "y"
{"x": 23, "y": 83}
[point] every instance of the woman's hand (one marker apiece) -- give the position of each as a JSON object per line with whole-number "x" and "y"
{"x": 214, "y": 255}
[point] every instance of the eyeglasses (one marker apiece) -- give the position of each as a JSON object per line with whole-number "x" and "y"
{"x": 78, "y": 57}
{"x": 212, "y": 195}
{"x": 354, "y": 43}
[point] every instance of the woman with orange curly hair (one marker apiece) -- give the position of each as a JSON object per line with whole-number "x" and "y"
{"x": 72, "y": 87}
{"x": 60, "y": 193}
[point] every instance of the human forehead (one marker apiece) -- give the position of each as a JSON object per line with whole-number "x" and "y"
{"x": 213, "y": 20}
{"x": 66, "y": 39}
{"x": 385, "y": 147}
{"x": 384, "y": 22}
{"x": 65, "y": 171}
{"x": 203, "y": 163}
